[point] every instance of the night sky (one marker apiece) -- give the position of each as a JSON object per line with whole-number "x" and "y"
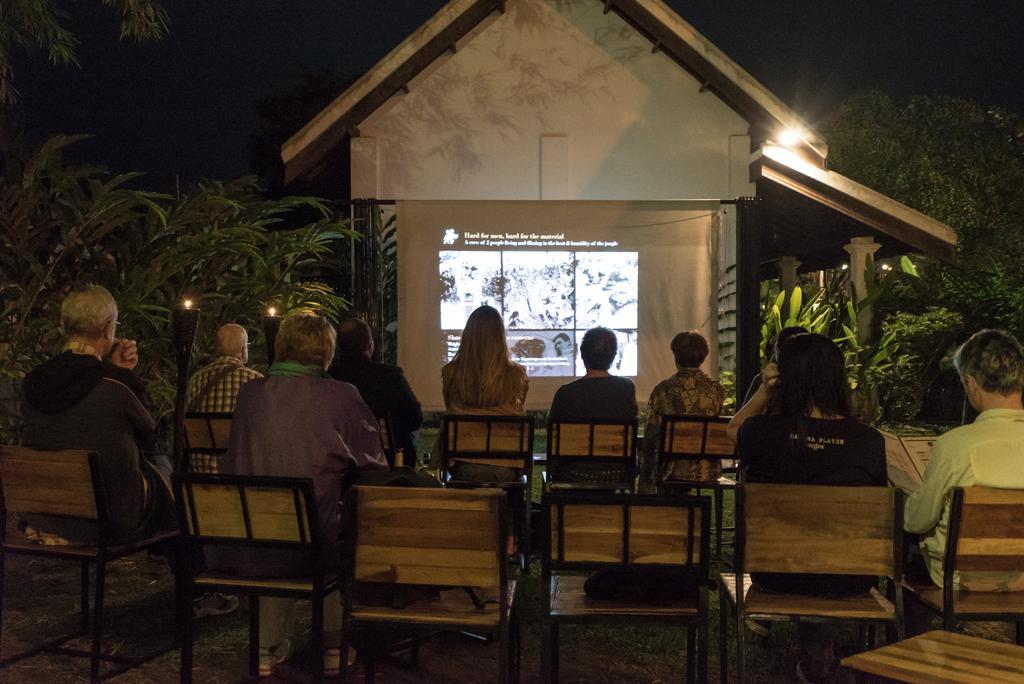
{"x": 186, "y": 105}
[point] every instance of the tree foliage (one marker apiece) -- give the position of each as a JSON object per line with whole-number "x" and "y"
{"x": 29, "y": 25}
{"x": 221, "y": 245}
{"x": 962, "y": 164}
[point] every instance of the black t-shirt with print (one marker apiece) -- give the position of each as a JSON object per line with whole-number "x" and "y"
{"x": 830, "y": 452}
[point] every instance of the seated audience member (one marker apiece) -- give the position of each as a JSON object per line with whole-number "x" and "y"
{"x": 482, "y": 379}
{"x": 988, "y": 452}
{"x": 214, "y": 387}
{"x": 809, "y": 437}
{"x": 688, "y": 392}
{"x": 298, "y": 422}
{"x": 383, "y": 387}
{"x": 598, "y": 395}
{"x": 758, "y": 380}
{"x": 88, "y": 397}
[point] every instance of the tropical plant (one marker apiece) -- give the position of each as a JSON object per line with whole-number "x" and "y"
{"x": 830, "y": 310}
{"x": 221, "y": 245}
{"x": 26, "y": 25}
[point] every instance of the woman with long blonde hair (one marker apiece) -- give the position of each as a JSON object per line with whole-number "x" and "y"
{"x": 483, "y": 379}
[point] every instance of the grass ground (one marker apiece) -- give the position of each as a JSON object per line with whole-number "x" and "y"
{"x": 40, "y": 599}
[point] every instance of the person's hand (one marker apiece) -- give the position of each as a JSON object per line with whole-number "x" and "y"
{"x": 770, "y": 377}
{"x": 125, "y": 354}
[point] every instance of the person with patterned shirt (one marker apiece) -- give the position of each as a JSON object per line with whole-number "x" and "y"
{"x": 214, "y": 387}
{"x": 689, "y": 392}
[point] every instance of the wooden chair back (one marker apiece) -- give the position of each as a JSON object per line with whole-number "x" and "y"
{"x": 703, "y": 439}
{"x": 246, "y": 510}
{"x": 609, "y": 447}
{"x": 427, "y": 536}
{"x": 505, "y": 441}
{"x": 590, "y": 530}
{"x": 207, "y": 435}
{"x": 58, "y": 483}
{"x": 819, "y": 529}
{"x": 986, "y": 531}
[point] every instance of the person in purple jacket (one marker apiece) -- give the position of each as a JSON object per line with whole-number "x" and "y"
{"x": 299, "y": 422}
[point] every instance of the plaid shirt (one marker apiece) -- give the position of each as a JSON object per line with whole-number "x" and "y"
{"x": 220, "y": 397}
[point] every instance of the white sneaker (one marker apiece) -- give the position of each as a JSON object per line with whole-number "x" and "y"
{"x": 274, "y": 656}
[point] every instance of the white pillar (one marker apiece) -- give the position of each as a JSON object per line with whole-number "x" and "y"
{"x": 787, "y": 266}
{"x": 860, "y": 248}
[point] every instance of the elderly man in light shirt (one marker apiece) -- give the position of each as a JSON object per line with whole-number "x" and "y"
{"x": 988, "y": 452}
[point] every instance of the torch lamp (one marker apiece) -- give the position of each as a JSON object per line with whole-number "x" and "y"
{"x": 184, "y": 322}
{"x": 271, "y": 324}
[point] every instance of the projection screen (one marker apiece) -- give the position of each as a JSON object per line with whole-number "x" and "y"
{"x": 555, "y": 269}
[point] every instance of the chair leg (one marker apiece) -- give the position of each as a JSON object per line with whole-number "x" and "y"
{"x": 85, "y": 596}
{"x": 318, "y": 638}
{"x": 741, "y": 655}
{"x": 1020, "y": 633}
{"x": 524, "y": 545}
{"x": 719, "y": 511}
{"x": 551, "y": 643}
{"x": 184, "y": 596}
{"x": 2, "y": 559}
{"x": 504, "y": 662}
{"x": 702, "y": 652}
{"x": 97, "y": 621}
{"x": 254, "y": 635}
{"x": 691, "y": 650}
{"x": 723, "y": 636}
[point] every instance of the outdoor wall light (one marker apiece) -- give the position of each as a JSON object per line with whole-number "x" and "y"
{"x": 791, "y": 136}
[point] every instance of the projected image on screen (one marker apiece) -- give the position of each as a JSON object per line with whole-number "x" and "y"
{"x": 548, "y": 301}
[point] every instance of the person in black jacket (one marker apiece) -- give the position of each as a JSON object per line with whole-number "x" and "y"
{"x": 383, "y": 387}
{"x": 88, "y": 397}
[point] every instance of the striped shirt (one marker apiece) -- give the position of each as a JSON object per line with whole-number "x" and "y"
{"x": 219, "y": 383}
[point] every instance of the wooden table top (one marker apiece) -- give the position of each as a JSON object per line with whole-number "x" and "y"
{"x": 943, "y": 657}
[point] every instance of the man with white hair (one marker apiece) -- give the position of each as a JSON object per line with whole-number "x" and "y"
{"x": 215, "y": 386}
{"x": 88, "y": 397}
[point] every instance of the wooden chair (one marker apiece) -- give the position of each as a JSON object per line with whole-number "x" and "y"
{"x": 703, "y": 440}
{"x": 986, "y": 534}
{"x": 595, "y": 531}
{"x": 441, "y": 538}
{"x": 206, "y": 440}
{"x": 598, "y": 455}
{"x": 817, "y": 530}
{"x": 505, "y": 441}
{"x": 67, "y": 484}
{"x": 252, "y": 513}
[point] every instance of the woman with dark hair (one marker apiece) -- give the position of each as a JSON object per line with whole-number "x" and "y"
{"x": 799, "y": 429}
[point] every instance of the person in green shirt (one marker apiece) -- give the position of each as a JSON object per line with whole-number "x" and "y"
{"x": 988, "y": 452}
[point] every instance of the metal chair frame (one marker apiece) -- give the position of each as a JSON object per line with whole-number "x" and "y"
{"x": 554, "y": 561}
{"x": 519, "y": 491}
{"x": 99, "y": 555}
{"x": 310, "y": 545}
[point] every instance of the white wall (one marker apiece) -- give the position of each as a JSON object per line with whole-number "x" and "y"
{"x": 553, "y": 100}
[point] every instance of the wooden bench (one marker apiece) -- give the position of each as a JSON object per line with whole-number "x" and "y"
{"x": 593, "y": 531}
{"x": 940, "y": 657}
{"x": 811, "y": 529}
{"x": 439, "y": 538}
{"x": 68, "y": 484}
